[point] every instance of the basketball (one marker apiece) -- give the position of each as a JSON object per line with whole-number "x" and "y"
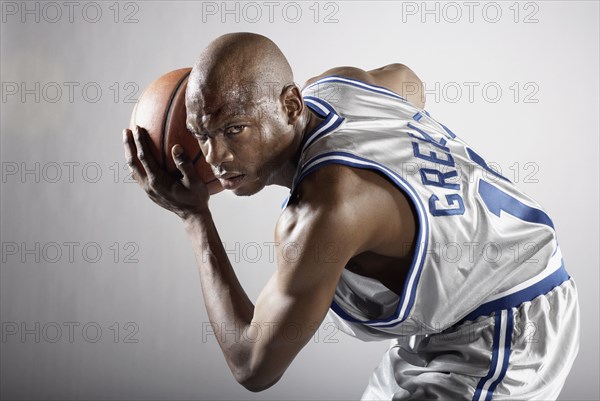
{"x": 161, "y": 111}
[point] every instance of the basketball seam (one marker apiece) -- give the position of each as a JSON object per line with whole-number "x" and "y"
{"x": 168, "y": 117}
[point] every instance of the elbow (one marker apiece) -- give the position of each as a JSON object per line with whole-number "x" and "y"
{"x": 255, "y": 387}
{"x": 255, "y": 382}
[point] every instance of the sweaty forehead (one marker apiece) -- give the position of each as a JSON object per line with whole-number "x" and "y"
{"x": 208, "y": 106}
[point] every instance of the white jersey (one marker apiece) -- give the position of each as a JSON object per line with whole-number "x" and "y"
{"x": 482, "y": 245}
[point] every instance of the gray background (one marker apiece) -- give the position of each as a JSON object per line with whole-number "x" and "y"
{"x": 76, "y": 195}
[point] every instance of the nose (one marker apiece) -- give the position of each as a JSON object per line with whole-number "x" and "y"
{"x": 217, "y": 152}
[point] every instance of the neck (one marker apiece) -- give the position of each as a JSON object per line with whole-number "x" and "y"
{"x": 304, "y": 126}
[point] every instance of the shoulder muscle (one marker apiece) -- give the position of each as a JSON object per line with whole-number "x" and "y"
{"x": 396, "y": 77}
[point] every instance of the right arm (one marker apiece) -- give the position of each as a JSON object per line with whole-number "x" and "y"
{"x": 314, "y": 240}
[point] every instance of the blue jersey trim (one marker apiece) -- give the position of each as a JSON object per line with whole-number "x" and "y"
{"x": 331, "y": 122}
{"x": 422, "y": 235}
{"x": 310, "y": 102}
{"x": 499, "y": 335}
{"x": 527, "y": 294}
{"x": 507, "y": 344}
{"x": 494, "y": 361}
{"x": 335, "y": 122}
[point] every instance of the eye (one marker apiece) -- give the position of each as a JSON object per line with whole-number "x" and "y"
{"x": 234, "y": 129}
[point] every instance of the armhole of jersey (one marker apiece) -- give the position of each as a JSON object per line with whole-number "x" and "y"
{"x": 331, "y": 121}
{"x": 407, "y": 298}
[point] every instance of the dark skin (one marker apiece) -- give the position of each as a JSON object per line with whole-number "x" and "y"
{"x": 259, "y": 139}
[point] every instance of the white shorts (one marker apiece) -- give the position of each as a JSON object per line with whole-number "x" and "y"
{"x": 523, "y": 353}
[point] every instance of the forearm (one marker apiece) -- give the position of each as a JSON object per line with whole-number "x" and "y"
{"x": 227, "y": 304}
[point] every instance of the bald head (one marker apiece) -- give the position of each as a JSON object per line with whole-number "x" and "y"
{"x": 245, "y": 63}
{"x": 245, "y": 110}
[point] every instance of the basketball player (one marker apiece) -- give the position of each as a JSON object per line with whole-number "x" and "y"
{"x": 400, "y": 231}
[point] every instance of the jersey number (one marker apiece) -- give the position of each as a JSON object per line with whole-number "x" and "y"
{"x": 497, "y": 200}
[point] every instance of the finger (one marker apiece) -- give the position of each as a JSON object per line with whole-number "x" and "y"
{"x": 130, "y": 155}
{"x": 144, "y": 154}
{"x": 184, "y": 165}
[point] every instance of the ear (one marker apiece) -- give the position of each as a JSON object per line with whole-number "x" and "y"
{"x": 291, "y": 99}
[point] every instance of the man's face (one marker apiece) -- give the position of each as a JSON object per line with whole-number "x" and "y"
{"x": 244, "y": 136}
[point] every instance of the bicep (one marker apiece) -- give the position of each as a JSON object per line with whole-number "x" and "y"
{"x": 315, "y": 238}
{"x": 296, "y": 299}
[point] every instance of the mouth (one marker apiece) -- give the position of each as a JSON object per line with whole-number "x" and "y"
{"x": 231, "y": 181}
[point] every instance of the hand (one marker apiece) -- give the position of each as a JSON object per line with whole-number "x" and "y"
{"x": 184, "y": 197}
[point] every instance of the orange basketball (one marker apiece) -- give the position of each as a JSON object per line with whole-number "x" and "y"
{"x": 161, "y": 111}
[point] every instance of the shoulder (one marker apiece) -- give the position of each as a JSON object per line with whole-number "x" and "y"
{"x": 325, "y": 194}
{"x": 396, "y": 77}
{"x": 346, "y": 72}
{"x": 356, "y": 204}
